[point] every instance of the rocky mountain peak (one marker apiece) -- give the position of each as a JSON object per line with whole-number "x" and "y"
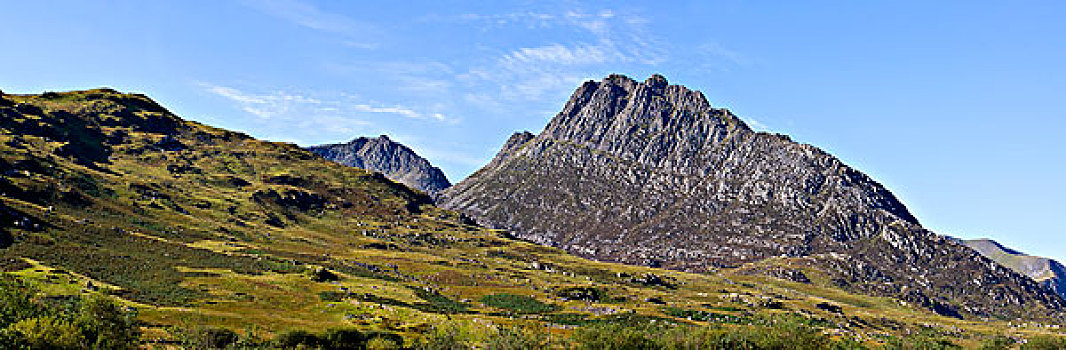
{"x": 642, "y": 121}
{"x": 650, "y": 173}
{"x": 396, "y": 161}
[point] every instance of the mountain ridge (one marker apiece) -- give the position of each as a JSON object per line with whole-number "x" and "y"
{"x": 1048, "y": 272}
{"x": 650, "y": 173}
{"x": 393, "y": 159}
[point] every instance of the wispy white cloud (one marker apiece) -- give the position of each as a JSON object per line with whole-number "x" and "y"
{"x": 555, "y": 54}
{"x": 399, "y": 110}
{"x": 283, "y": 105}
{"x": 264, "y": 106}
{"x": 357, "y": 34}
{"x": 596, "y": 23}
{"x": 615, "y": 39}
{"x": 592, "y": 43}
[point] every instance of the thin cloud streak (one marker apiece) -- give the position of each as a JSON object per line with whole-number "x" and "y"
{"x": 285, "y": 105}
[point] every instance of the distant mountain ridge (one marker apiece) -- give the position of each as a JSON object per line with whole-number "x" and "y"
{"x": 396, "y": 161}
{"x": 1046, "y": 271}
{"x": 650, "y": 173}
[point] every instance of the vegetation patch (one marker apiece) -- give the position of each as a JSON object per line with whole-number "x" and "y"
{"x": 522, "y": 304}
{"x": 704, "y": 316}
{"x": 589, "y": 294}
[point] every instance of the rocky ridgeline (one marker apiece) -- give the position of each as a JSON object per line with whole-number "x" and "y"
{"x": 1049, "y": 273}
{"x": 650, "y": 173}
{"x": 396, "y": 161}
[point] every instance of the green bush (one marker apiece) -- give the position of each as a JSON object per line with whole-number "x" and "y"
{"x": 324, "y": 275}
{"x": 380, "y": 343}
{"x": 999, "y": 342}
{"x": 443, "y": 338}
{"x": 383, "y": 341}
{"x": 210, "y": 338}
{"x": 515, "y": 338}
{"x": 1044, "y": 342}
{"x": 783, "y": 336}
{"x": 292, "y": 339}
{"x": 105, "y": 325}
{"x": 608, "y": 337}
{"x": 518, "y": 303}
{"x": 93, "y": 322}
{"x": 437, "y": 303}
{"x": 336, "y": 339}
{"x": 343, "y": 339}
{"x": 49, "y": 332}
{"x": 16, "y": 303}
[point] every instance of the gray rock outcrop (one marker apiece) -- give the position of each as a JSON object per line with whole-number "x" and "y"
{"x": 394, "y": 160}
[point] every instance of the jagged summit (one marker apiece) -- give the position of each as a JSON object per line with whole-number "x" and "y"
{"x": 650, "y": 173}
{"x": 394, "y": 160}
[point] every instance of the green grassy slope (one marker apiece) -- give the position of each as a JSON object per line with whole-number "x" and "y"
{"x": 109, "y": 193}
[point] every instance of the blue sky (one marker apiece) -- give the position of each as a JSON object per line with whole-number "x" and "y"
{"x": 956, "y": 106}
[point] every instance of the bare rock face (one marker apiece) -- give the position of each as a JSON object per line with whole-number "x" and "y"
{"x": 396, "y": 161}
{"x": 650, "y": 173}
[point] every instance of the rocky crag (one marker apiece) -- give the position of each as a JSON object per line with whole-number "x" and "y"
{"x": 650, "y": 173}
{"x": 1047, "y": 272}
{"x": 394, "y": 160}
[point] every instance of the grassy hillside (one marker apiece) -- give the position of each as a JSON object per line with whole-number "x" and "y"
{"x": 106, "y": 193}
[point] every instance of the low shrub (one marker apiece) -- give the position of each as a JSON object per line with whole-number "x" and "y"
{"x": 515, "y": 338}
{"x": 336, "y": 339}
{"x": 999, "y": 342}
{"x": 209, "y": 338}
{"x": 784, "y": 336}
{"x": 1044, "y": 342}
{"x": 517, "y": 303}
{"x": 292, "y": 339}
{"x": 48, "y": 332}
{"x": 609, "y": 337}
{"x": 93, "y": 322}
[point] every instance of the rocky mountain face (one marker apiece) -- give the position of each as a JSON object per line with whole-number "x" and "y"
{"x": 650, "y": 173}
{"x": 396, "y": 161}
{"x": 1047, "y": 272}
